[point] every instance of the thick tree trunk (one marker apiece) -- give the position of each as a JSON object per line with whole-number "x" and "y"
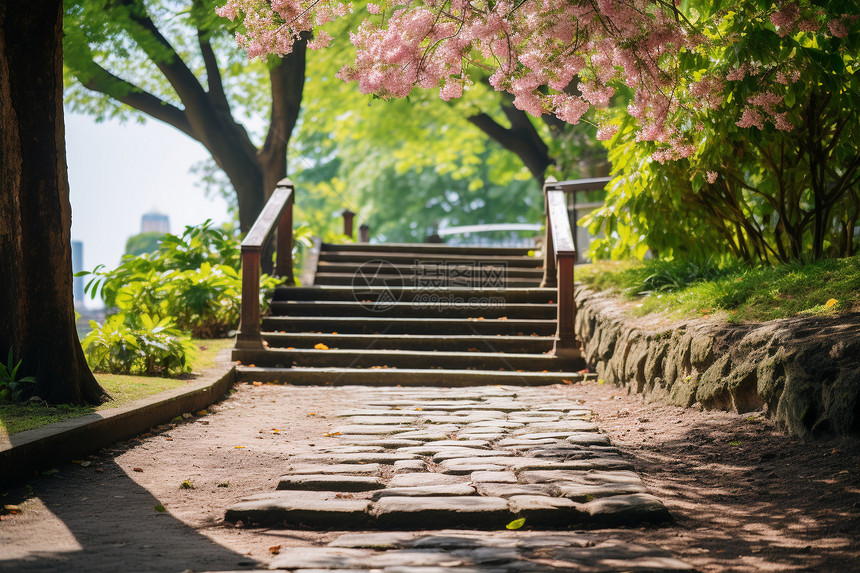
{"x": 36, "y": 305}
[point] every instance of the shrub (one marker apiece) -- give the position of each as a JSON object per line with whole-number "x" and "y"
{"x": 11, "y": 387}
{"x": 150, "y": 346}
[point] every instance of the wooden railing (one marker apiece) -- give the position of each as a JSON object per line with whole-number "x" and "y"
{"x": 560, "y": 256}
{"x": 278, "y": 213}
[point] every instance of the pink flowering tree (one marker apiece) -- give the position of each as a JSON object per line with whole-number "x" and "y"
{"x": 696, "y": 84}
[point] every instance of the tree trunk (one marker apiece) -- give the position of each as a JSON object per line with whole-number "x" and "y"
{"x": 36, "y": 303}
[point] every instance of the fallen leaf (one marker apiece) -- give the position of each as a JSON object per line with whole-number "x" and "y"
{"x": 503, "y": 318}
{"x": 202, "y": 413}
{"x": 224, "y": 484}
{"x": 257, "y": 383}
{"x": 159, "y": 508}
{"x": 331, "y": 434}
{"x": 238, "y": 447}
{"x": 568, "y": 381}
{"x": 137, "y": 469}
{"x": 312, "y": 414}
{"x": 516, "y": 524}
{"x": 334, "y": 332}
{"x": 275, "y": 549}
{"x": 85, "y": 463}
{"x": 320, "y": 346}
{"x": 186, "y": 484}
{"x": 10, "y": 510}
{"x": 831, "y": 303}
{"x": 169, "y": 439}
{"x": 77, "y": 461}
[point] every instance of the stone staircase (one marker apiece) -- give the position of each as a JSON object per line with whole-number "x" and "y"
{"x": 412, "y": 314}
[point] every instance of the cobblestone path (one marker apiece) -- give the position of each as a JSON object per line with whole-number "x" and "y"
{"x": 482, "y": 460}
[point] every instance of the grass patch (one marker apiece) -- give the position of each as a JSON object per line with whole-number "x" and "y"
{"x": 122, "y": 389}
{"x": 737, "y": 292}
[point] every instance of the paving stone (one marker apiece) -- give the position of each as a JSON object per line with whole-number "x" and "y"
{"x": 507, "y": 490}
{"x": 520, "y": 441}
{"x": 581, "y": 477}
{"x": 500, "y": 459}
{"x": 334, "y": 469}
{"x": 588, "y": 438}
{"x": 423, "y": 479}
{"x": 351, "y": 449}
{"x": 617, "y": 556}
{"x": 368, "y": 458}
{"x": 417, "y": 560}
{"x": 482, "y": 415}
{"x": 428, "y": 434}
{"x": 528, "y": 434}
{"x": 461, "y": 539}
{"x": 387, "y": 443}
{"x": 367, "y": 429}
{"x": 425, "y": 491}
{"x": 409, "y": 466}
{"x": 439, "y": 512}
{"x": 627, "y": 510}
{"x": 563, "y": 426}
{"x": 489, "y": 436}
{"x": 569, "y": 452}
{"x": 467, "y": 469}
{"x": 505, "y": 424}
{"x": 288, "y": 510}
{"x": 432, "y": 448}
{"x": 344, "y": 483}
{"x": 384, "y": 412}
{"x": 584, "y": 493}
{"x": 451, "y": 453}
{"x": 608, "y": 463}
{"x": 381, "y": 420}
{"x": 494, "y": 477}
{"x": 466, "y": 443}
{"x": 542, "y": 510}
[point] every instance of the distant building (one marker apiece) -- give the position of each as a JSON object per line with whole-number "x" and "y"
{"x": 78, "y": 266}
{"x": 154, "y": 222}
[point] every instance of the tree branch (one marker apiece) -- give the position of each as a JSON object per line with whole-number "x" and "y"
{"x": 213, "y": 73}
{"x": 102, "y": 81}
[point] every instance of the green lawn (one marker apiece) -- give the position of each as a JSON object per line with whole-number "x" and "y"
{"x": 736, "y": 292}
{"x": 122, "y": 389}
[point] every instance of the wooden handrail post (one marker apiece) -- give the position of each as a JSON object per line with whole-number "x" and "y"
{"x": 284, "y": 262}
{"x": 348, "y": 217}
{"x": 277, "y": 213}
{"x": 566, "y": 345}
{"x": 549, "y": 279}
{"x": 249, "y": 325}
{"x": 364, "y": 233}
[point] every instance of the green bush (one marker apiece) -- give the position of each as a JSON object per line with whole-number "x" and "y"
{"x": 12, "y": 388}
{"x": 150, "y": 346}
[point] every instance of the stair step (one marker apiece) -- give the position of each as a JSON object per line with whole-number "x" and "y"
{"x": 428, "y": 258}
{"x": 427, "y": 248}
{"x": 368, "y": 358}
{"x": 420, "y": 281}
{"x": 516, "y": 344}
{"x": 430, "y": 271}
{"x": 408, "y": 294}
{"x": 383, "y": 325}
{"x": 402, "y": 377}
{"x": 429, "y": 308}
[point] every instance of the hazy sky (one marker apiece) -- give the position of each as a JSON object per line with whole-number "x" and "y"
{"x": 118, "y": 172}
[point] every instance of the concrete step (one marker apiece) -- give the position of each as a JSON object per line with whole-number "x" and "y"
{"x": 427, "y": 248}
{"x": 409, "y": 294}
{"x": 490, "y": 282}
{"x": 407, "y": 258}
{"x": 401, "y": 377}
{"x": 383, "y": 325}
{"x": 431, "y": 271}
{"x": 412, "y": 359}
{"x": 516, "y": 344}
{"x": 430, "y": 307}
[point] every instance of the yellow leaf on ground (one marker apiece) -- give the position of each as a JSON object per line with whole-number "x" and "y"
{"x": 238, "y": 447}
{"x": 257, "y": 383}
{"x": 831, "y": 303}
{"x": 275, "y": 549}
{"x": 516, "y": 524}
{"x": 320, "y": 346}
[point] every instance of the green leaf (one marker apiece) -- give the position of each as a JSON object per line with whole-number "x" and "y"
{"x": 516, "y": 524}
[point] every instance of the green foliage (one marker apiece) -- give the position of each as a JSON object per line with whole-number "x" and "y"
{"x": 192, "y": 279}
{"x": 13, "y": 388}
{"x": 148, "y": 346}
{"x": 757, "y": 195}
{"x": 736, "y": 291}
{"x": 143, "y": 243}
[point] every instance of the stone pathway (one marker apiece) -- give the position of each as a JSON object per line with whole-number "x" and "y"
{"x": 478, "y": 459}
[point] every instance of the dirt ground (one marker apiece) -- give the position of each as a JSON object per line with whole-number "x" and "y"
{"x": 745, "y": 496}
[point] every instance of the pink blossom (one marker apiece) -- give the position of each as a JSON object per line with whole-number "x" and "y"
{"x": 606, "y": 131}
{"x": 569, "y": 108}
{"x": 712, "y": 177}
{"x": 785, "y": 18}
{"x": 374, "y": 8}
{"x": 837, "y": 28}
{"x": 750, "y": 118}
{"x": 321, "y": 40}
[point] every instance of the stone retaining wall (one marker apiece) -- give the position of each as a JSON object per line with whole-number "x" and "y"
{"x": 804, "y": 371}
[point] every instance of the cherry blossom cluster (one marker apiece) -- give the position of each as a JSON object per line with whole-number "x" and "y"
{"x": 561, "y": 57}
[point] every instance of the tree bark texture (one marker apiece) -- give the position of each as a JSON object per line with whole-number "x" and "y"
{"x": 36, "y": 304}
